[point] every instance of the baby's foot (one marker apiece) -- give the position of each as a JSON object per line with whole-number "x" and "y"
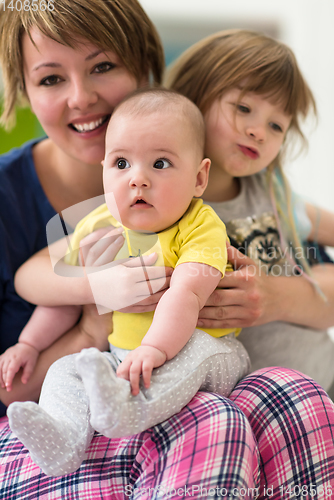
{"x": 106, "y": 392}
{"x": 48, "y": 441}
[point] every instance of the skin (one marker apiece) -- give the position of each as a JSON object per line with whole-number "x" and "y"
{"x": 65, "y": 87}
{"x": 160, "y": 167}
{"x": 246, "y": 297}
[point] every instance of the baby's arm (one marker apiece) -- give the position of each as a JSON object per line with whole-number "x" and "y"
{"x": 174, "y": 321}
{"x": 45, "y": 326}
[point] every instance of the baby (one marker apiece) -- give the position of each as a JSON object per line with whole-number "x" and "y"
{"x": 153, "y": 170}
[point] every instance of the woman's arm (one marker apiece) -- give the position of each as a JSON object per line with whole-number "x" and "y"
{"x": 37, "y": 282}
{"x": 247, "y": 297}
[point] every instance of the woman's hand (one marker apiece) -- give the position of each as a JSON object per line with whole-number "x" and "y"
{"x": 134, "y": 285}
{"x": 243, "y": 298}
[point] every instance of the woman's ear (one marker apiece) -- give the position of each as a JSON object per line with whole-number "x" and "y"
{"x": 202, "y": 177}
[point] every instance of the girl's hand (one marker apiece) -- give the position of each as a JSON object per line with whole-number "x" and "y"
{"x": 243, "y": 298}
{"x": 140, "y": 361}
{"x": 134, "y": 285}
{"x": 18, "y": 356}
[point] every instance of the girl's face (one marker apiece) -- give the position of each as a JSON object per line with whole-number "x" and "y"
{"x": 73, "y": 92}
{"x": 243, "y": 137}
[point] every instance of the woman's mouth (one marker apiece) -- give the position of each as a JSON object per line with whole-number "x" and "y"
{"x": 250, "y": 152}
{"x": 89, "y": 126}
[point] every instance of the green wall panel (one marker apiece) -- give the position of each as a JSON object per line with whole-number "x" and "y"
{"x": 27, "y": 127}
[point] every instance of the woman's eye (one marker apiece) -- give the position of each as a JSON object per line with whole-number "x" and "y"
{"x": 160, "y": 164}
{"x": 104, "y": 67}
{"x": 50, "y": 80}
{"x": 276, "y": 127}
{"x": 122, "y": 164}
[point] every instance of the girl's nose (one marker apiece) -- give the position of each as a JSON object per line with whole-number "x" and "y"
{"x": 82, "y": 95}
{"x": 256, "y": 132}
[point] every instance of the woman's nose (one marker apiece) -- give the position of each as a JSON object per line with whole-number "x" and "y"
{"x": 82, "y": 95}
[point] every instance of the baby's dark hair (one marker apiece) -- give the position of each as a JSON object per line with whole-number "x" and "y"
{"x": 147, "y": 101}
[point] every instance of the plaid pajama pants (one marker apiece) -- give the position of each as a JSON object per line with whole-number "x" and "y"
{"x": 273, "y": 438}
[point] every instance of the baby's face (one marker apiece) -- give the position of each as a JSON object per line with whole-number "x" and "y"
{"x": 150, "y": 169}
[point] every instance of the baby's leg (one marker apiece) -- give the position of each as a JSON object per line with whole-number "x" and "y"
{"x": 205, "y": 363}
{"x": 57, "y": 431}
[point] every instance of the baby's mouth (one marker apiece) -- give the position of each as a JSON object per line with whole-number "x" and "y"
{"x": 89, "y": 126}
{"x": 141, "y": 201}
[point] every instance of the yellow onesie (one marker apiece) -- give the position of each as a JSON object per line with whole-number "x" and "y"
{"x": 199, "y": 236}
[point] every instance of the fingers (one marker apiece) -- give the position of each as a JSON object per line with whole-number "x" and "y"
{"x": 132, "y": 369}
{"x": 101, "y": 246}
{"x": 153, "y": 272}
{"x": 9, "y": 369}
{"x": 237, "y": 258}
{"x": 28, "y": 370}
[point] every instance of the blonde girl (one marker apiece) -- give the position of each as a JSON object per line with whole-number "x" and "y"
{"x": 254, "y": 98}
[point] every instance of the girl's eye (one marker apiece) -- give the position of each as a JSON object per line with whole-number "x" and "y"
{"x": 161, "y": 163}
{"x": 242, "y": 108}
{"x": 50, "y": 80}
{"x": 276, "y": 127}
{"x": 122, "y": 163}
{"x": 104, "y": 67}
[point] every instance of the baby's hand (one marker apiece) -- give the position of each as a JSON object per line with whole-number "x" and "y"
{"x": 18, "y": 356}
{"x": 140, "y": 361}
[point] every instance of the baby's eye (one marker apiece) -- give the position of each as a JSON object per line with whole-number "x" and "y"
{"x": 161, "y": 163}
{"x": 122, "y": 163}
{"x": 276, "y": 127}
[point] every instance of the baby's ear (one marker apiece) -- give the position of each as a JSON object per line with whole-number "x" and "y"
{"x": 102, "y": 163}
{"x": 202, "y": 177}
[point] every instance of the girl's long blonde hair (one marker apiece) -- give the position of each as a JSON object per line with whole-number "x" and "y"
{"x": 256, "y": 63}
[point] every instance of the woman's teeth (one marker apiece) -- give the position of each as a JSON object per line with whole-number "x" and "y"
{"x": 87, "y": 127}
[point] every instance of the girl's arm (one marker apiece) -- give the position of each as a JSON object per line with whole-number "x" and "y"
{"x": 174, "y": 321}
{"x": 247, "y": 297}
{"x": 322, "y": 225}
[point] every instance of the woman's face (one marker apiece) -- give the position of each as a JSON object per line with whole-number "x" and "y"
{"x": 73, "y": 92}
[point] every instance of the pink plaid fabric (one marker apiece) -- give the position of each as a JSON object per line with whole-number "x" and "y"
{"x": 208, "y": 450}
{"x": 293, "y": 421}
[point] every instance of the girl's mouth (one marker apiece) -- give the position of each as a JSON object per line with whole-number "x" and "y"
{"x": 89, "y": 126}
{"x": 250, "y": 152}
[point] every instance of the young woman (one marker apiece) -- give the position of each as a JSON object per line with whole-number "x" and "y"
{"x": 253, "y": 97}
